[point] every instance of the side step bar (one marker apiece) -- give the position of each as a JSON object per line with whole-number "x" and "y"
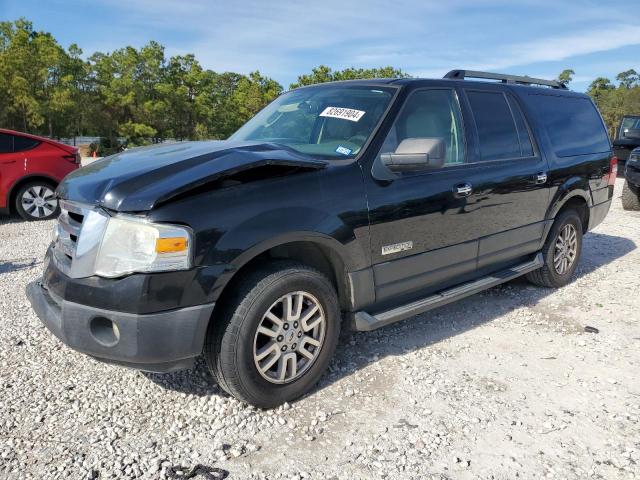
{"x": 365, "y": 322}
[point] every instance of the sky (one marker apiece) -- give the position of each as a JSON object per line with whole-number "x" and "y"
{"x": 424, "y": 38}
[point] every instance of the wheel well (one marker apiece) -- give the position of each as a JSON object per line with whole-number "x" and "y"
{"x": 311, "y": 254}
{"x": 16, "y": 187}
{"x": 579, "y": 205}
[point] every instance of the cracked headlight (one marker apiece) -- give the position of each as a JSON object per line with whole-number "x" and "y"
{"x": 133, "y": 245}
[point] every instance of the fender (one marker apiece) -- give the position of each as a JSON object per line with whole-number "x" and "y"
{"x": 336, "y": 252}
{"x": 573, "y": 187}
{"x": 249, "y": 239}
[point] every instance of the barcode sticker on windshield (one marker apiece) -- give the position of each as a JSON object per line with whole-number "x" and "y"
{"x": 344, "y": 113}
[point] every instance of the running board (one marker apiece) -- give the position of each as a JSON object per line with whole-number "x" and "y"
{"x": 365, "y": 322}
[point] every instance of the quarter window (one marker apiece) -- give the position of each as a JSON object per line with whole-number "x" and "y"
{"x": 20, "y": 144}
{"x": 6, "y": 143}
{"x": 496, "y": 127}
{"x": 429, "y": 114}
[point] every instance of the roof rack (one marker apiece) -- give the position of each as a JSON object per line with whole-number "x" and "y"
{"x": 504, "y": 78}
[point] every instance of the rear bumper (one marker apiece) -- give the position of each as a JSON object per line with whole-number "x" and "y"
{"x": 158, "y": 342}
{"x": 597, "y": 213}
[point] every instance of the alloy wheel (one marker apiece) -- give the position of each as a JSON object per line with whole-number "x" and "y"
{"x": 289, "y": 337}
{"x": 39, "y": 201}
{"x": 566, "y": 249}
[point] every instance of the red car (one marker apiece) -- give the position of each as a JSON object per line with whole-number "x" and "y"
{"x": 30, "y": 169}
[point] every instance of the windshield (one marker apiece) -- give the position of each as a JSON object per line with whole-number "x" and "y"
{"x": 332, "y": 121}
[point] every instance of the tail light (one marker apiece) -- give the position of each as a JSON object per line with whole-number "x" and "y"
{"x": 75, "y": 158}
{"x": 613, "y": 170}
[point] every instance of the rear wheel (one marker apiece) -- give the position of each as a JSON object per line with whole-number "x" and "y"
{"x": 630, "y": 197}
{"x": 37, "y": 201}
{"x": 561, "y": 252}
{"x": 272, "y": 342}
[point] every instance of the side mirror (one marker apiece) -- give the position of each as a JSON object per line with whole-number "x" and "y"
{"x": 415, "y": 154}
{"x": 633, "y": 133}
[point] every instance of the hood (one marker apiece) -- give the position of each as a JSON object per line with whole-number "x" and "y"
{"x": 138, "y": 179}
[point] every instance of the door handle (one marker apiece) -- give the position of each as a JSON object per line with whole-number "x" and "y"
{"x": 463, "y": 190}
{"x": 541, "y": 177}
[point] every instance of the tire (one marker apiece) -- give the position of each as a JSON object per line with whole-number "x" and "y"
{"x": 234, "y": 347}
{"x": 550, "y": 275}
{"x": 630, "y": 197}
{"x": 36, "y": 201}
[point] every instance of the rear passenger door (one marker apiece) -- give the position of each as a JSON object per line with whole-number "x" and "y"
{"x": 511, "y": 186}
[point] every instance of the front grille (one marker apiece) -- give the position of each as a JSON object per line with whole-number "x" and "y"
{"x": 77, "y": 239}
{"x": 69, "y": 227}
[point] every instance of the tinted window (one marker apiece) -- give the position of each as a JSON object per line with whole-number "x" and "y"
{"x": 6, "y": 143}
{"x": 22, "y": 143}
{"x": 628, "y": 123}
{"x": 526, "y": 148}
{"x": 497, "y": 132}
{"x": 429, "y": 114}
{"x": 572, "y": 123}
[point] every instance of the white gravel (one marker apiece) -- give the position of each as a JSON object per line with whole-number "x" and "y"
{"x": 504, "y": 384}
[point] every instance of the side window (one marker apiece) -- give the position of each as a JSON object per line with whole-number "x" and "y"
{"x": 6, "y": 143}
{"x": 572, "y": 122}
{"x": 429, "y": 114}
{"x": 526, "y": 148}
{"x": 20, "y": 144}
{"x": 497, "y": 132}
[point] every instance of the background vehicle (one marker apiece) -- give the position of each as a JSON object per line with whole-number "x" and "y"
{"x": 631, "y": 188}
{"x": 369, "y": 200}
{"x": 31, "y": 168}
{"x": 627, "y": 137}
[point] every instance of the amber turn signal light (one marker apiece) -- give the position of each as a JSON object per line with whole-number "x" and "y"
{"x": 171, "y": 245}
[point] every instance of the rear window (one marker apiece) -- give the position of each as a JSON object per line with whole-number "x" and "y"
{"x": 572, "y": 123}
{"x": 20, "y": 144}
{"x": 6, "y": 143}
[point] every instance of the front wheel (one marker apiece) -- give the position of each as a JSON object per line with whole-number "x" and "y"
{"x": 37, "y": 201}
{"x": 274, "y": 339}
{"x": 561, "y": 252}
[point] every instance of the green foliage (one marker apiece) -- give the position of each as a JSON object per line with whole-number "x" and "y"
{"x": 134, "y": 93}
{"x": 323, "y": 74}
{"x": 566, "y": 76}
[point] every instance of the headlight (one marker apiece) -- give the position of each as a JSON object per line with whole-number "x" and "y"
{"x": 634, "y": 158}
{"x": 133, "y": 245}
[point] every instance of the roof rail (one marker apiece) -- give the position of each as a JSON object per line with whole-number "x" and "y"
{"x": 504, "y": 78}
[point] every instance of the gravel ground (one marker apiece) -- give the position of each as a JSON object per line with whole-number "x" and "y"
{"x": 501, "y": 385}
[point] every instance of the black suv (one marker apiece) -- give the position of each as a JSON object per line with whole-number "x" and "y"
{"x": 369, "y": 200}
{"x": 631, "y": 188}
{"x": 627, "y": 137}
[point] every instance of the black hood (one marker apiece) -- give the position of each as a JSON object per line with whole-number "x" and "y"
{"x": 138, "y": 179}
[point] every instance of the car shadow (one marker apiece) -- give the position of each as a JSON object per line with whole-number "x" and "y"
{"x": 425, "y": 329}
{"x": 18, "y": 264}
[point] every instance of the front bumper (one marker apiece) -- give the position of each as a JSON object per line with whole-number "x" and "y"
{"x": 158, "y": 342}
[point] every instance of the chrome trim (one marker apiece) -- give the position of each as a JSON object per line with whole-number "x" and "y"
{"x": 76, "y": 257}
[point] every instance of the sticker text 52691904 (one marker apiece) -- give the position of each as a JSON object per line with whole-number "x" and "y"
{"x": 343, "y": 113}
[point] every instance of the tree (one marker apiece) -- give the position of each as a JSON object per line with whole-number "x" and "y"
{"x": 322, "y": 74}
{"x": 615, "y": 102}
{"x": 566, "y": 76}
{"x": 30, "y": 75}
{"x": 628, "y": 78}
